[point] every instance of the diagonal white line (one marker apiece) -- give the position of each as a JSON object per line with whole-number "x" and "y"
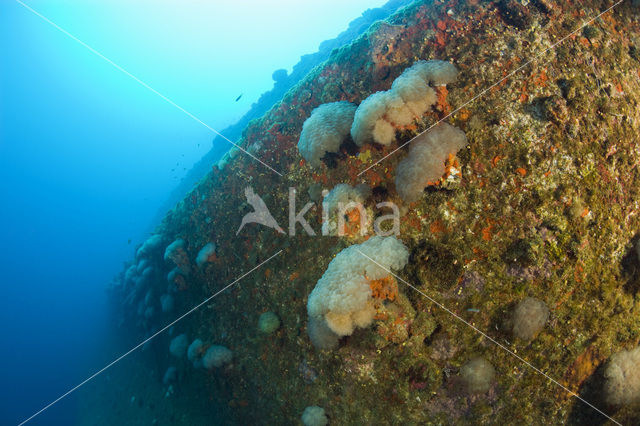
{"x": 483, "y": 92}
{"x": 121, "y": 357}
{"x": 92, "y": 50}
{"x": 486, "y": 336}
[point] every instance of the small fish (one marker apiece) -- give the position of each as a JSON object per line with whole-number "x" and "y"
{"x": 129, "y": 242}
{"x": 238, "y": 98}
{"x": 473, "y": 310}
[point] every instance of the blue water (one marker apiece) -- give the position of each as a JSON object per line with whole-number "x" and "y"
{"x": 87, "y": 156}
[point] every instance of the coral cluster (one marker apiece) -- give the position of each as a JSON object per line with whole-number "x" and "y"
{"x": 314, "y": 416}
{"x": 425, "y": 163}
{"x": 216, "y": 356}
{"x": 206, "y": 254}
{"x": 342, "y": 298}
{"x": 166, "y": 303}
{"x": 410, "y": 96}
{"x": 175, "y": 253}
{"x": 477, "y": 374}
{"x": 209, "y": 357}
{"x": 340, "y": 201}
{"x": 268, "y": 322}
{"x": 529, "y": 318}
{"x": 195, "y": 352}
{"x": 178, "y": 346}
{"x": 622, "y": 378}
{"x": 325, "y": 130}
{"x": 150, "y": 246}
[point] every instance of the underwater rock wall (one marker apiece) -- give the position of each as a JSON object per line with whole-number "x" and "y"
{"x": 545, "y": 206}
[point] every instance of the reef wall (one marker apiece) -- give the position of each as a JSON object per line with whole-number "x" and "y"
{"x": 545, "y": 206}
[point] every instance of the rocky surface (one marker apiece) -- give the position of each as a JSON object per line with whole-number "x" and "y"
{"x": 546, "y": 206}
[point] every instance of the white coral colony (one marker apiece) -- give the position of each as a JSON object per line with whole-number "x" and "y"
{"x": 425, "y": 163}
{"x": 378, "y": 116}
{"x": 409, "y": 98}
{"x": 325, "y": 130}
{"x": 342, "y": 298}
